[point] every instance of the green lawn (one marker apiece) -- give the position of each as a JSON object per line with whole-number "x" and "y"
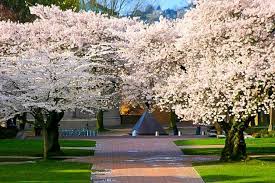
{"x": 254, "y": 171}
{"x": 12, "y": 147}
{"x": 215, "y": 141}
{"x": 251, "y": 150}
{"x": 50, "y": 171}
{"x": 259, "y": 170}
{"x": 254, "y": 146}
{"x": 208, "y": 141}
{"x": 77, "y": 143}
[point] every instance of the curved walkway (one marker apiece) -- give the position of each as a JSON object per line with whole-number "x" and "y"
{"x": 141, "y": 160}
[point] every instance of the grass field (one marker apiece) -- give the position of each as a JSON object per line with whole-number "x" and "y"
{"x": 12, "y": 147}
{"x": 254, "y": 171}
{"x": 215, "y": 141}
{"x": 260, "y": 170}
{"x": 251, "y": 150}
{"x": 50, "y": 171}
{"x": 254, "y": 146}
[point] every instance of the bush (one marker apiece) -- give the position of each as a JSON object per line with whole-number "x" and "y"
{"x": 253, "y": 130}
{"x": 271, "y": 134}
{"x": 263, "y": 134}
{"x": 6, "y": 133}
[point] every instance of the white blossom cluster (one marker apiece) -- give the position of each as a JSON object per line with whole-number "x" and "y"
{"x": 63, "y": 60}
{"x": 228, "y": 50}
{"x": 149, "y": 55}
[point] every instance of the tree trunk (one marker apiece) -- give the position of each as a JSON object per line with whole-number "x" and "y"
{"x": 235, "y": 147}
{"x": 99, "y": 121}
{"x": 52, "y": 131}
{"x": 45, "y": 143}
{"x": 39, "y": 122}
{"x": 173, "y": 122}
{"x": 23, "y": 121}
{"x": 218, "y": 128}
{"x": 270, "y": 127}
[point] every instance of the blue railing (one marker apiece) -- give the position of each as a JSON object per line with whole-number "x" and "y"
{"x": 77, "y": 132}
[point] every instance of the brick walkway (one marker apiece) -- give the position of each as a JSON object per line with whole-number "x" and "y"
{"x": 141, "y": 160}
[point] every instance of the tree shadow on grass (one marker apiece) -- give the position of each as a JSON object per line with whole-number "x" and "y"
{"x": 257, "y": 181}
{"x": 217, "y": 151}
{"x": 215, "y": 163}
{"x": 202, "y": 151}
{"x": 49, "y": 171}
{"x": 261, "y": 150}
{"x": 269, "y": 159}
{"x": 218, "y": 178}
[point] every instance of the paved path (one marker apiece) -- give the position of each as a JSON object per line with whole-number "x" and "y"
{"x": 141, "y": 160}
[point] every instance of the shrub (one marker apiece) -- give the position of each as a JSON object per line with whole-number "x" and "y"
{"x": 6, "y": 133}
{"x": 263, "y": 134}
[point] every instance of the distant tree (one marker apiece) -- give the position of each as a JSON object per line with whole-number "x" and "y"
{"x": 21, "y": 12}
{"x": 115, "y": 7}
{"x": 151, "y": 13}
{"x": 6, "y": 13}
{"x": 149, "y": 9}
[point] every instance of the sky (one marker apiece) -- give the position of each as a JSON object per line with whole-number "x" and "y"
{"x": 164, "y": 4}
{"x": 171, "y": 4}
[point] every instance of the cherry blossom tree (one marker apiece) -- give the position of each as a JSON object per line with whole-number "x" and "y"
{"x": 147, "y": 60}
{"x": 61, "y": 61}
{"x": 150, "y": 55}
{"x": 227, "y": 48}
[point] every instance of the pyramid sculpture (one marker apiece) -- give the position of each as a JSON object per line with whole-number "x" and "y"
{"x": 148, "y": 125}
